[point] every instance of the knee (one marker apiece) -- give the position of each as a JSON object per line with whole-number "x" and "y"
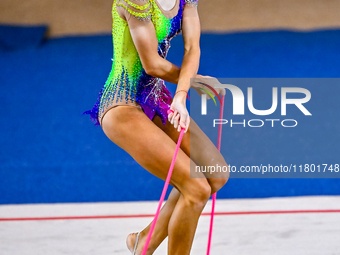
{"x": 217, "y": 184}
{"x": 219, "y": 181}
{"x": 204, "y": 193}
{"x": 200, "y": 194}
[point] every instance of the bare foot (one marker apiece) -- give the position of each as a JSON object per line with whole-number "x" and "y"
{"x": 131, "y": 240}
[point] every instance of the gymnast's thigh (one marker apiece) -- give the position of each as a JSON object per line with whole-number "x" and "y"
{"x": 197, "y": 145}
{"x": 130, "y": 129}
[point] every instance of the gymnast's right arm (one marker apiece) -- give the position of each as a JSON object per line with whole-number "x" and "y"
{"x": 145, "y": 40}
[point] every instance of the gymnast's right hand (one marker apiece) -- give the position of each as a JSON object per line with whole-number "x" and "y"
{"x": 178, "y": 113}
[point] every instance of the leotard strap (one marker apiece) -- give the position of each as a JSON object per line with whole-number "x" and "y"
{"x": 191, "y": 2}
{"x": 140, "y": 9}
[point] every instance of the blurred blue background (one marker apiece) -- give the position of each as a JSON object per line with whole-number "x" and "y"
{"x": 51, "y": 153}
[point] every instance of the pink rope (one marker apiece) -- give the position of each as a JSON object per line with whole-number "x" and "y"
{"x": 161, "y": 200}
{"x": 166, "y": 185}
{"x": 219, "y": 139}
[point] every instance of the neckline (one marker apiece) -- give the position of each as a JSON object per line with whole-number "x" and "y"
{"x": 171, "y": 10}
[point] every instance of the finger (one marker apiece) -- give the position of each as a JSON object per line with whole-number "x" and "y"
{"x": 173, "y": 117}
{"x": 176, "y": 120}
{"x": 187, "y": 124}
{"x": 223, "y": 92}
{"x": 170, "y": 113}
{"x": 170, "y": 116}
{"x": 183, "y": 121}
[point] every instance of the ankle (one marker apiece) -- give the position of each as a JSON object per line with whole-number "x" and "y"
{"x": 143, "y": 236}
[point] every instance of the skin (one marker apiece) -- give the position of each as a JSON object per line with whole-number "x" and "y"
{"x": 210, "y": 156}
{"x": 152, "y": 144}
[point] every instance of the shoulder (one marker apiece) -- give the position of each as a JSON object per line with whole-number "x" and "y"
{"x": 191, "y": 3}
{"x": 140, "y": 9}
{"x": 137, "y": 4}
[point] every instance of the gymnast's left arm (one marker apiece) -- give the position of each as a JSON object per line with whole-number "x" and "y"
{"x": 191, "y": 35}
{"x": 191, "y": 31}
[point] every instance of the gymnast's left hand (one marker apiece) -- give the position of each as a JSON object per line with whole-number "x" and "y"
{"x": 209, "y": 80}
{"x": 178, "y": 113}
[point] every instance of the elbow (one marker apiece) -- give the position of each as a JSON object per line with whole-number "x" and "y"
{"x": 151, "y": 67}
{"x": 150, "y": 70}
{"x": 192, "y": 49}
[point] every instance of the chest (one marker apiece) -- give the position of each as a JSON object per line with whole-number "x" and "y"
{"x": 167, "y": 23}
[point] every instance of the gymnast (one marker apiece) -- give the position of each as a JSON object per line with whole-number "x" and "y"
{"x": 132, "y": 109}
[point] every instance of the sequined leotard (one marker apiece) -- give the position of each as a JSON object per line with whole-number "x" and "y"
{"x": 128, "y": 83}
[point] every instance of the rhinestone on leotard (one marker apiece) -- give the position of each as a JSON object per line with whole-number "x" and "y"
{"x": 127, "y": 76}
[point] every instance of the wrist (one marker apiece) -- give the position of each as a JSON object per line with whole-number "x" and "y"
{"x": 181, "y": 95}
